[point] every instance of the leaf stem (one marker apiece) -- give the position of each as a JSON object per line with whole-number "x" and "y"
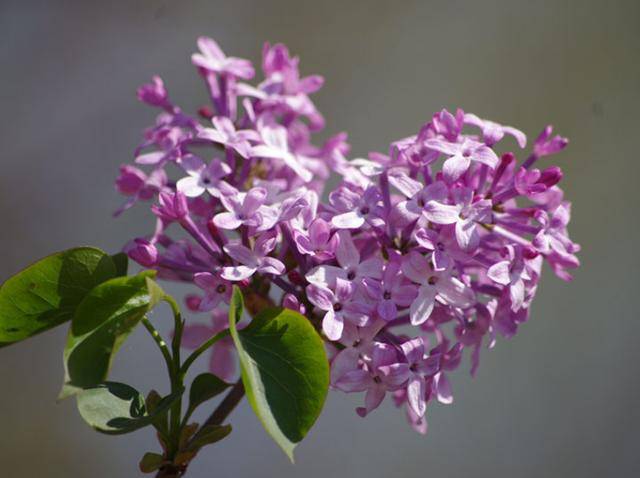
{"x": 200, "y": 350}
{"x": 223, "y": 410}
{"x": 162, "y": 345}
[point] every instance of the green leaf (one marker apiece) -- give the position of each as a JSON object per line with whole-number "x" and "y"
{"x": 47, "y": 293}
{"x": 151, "y": 462}
{"x": 121, "y": 261}
{"x": 204, "y": 387}
{"x": 210, "y": 434}
{"x": 156, "y": 294}
{"x": 102, "y": 322}
{"x": 161, "y": 420}
{"x": 285, "y": 370}
{"x": 116, "y": 408}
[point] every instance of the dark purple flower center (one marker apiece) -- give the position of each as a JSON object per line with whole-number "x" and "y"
{"x": 364, "y": 210}
{"x": 466, "y": 153}
{"x": 351, "y": 275}
{"x": 386, "y": 295}
{"x": 377, "y": 379}
{"x": 440, "y": 246}
{"x": 221, "y": 289}
{"x": 432, "y": 280}
{"x": 337, "y": 306}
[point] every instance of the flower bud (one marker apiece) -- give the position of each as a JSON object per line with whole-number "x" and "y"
{"x": 144, "y": 253}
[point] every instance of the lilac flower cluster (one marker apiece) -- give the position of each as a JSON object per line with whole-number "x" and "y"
{"x": 417, "y": 255}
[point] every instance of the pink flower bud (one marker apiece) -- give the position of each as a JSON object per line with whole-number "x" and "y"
{"x": 144, "y": 253}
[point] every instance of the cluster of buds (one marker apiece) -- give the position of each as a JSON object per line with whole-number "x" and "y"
{"x": 418, "y": 254}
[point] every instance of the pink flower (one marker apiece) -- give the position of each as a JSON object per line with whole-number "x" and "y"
{"x": 337, "y": 306}
{"x": 211, "y": 58}
{"x": 204, "y": 177}
{"x": 224, "y": 132}
{"x": 493, "y": 133}
{"x": 252, "y": 261}
{"x": 351, "y": 268}
{"x": 246, "y": 209}
{"x": 216, "y": 290}
{"x": 434, "y": 286}
{"x": 461, "y": 155}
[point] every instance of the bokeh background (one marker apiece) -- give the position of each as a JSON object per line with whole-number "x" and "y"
{"x": 560, "y": 400}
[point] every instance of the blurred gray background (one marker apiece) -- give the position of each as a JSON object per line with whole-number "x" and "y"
{"x": 560, "y": 400}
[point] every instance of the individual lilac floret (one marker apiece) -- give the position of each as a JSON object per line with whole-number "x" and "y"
{"x": 252, "y": 261}
{"x": 461, "y": 155}
{"x": 493, "y": 133}
{"x": 216, "y": 290}
{"x": 225, "y": 133}
{"x": 211, "y": 58}
{"x": 318, "y": 242}
{"x": 350, "y": 267}
{"x": 245, "y": 209}
{"x": 337, "y": 305}
{"x": 382, "y": 373}
{"x": 275, "y": 146}
{"x": 391, "y": 293}
{"x": 465, "y": 214}
{"x": 354, "y": 210}
{"x": 434, "y": 285}
{"x": 204, "y": 177}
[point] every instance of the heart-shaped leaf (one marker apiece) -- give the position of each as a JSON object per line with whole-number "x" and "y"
{"x": 285, "y": 370}
{"x": 116, "y": 408}
{"x": 47, "y": 293}
{"x": 204, "y": 387}
{"x": 103, "y": 320}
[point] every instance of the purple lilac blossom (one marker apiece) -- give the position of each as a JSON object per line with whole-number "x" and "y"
{"x": 430, "y": 249}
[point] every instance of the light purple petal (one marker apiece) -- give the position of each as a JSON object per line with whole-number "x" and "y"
{"x": 422, "y": 307}
{"x": 354, "y": 381}
{"x": 237, "y": 273}
{"x": 271, "y": 265}
{"x": 413, "y": 350}
{"x": 227, "y": 220}
{"x": 395, "y": 374}
{"x": 332, "y": 325}
{"x": 346, "y": 252}
{"x": 254, "y": 198}
{"x": 499, "y": 272}
{"x": 443, "y": 389}
{"x": 190, "y": 186}
{"x": 486, "y": 155}
{"x": 455, "y": 166}
{"x": 348, "y": 220}
{"x": 416, "y": 395}
{"x": 454, "y": 292}
{"x": 320, "y": 296}
{"x": 467, "y": 234}
{"x": 242, "y": 254}
{"x": 416, "y": 267}
{"x": 387, "y": 310}
{"x": 325, "y": 275}
{"x": 371, "y": 267}
{"x": 441, "y": 213}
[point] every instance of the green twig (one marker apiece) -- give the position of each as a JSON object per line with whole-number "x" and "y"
{"x": 162, "y": 345}
{"x": 200, "y": 350}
